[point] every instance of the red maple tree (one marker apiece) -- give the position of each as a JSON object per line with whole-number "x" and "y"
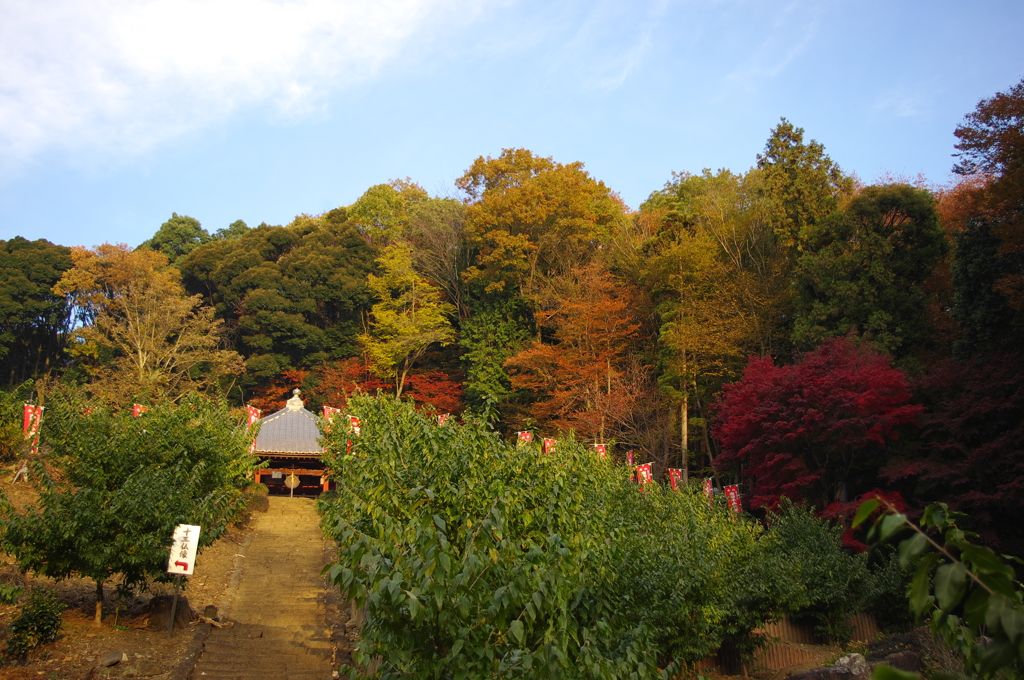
{"x": 972, "y": 451}
{"x": 799, "y": 431}
{"x": 331, "y": 384}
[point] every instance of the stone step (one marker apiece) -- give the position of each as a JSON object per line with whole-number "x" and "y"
{"x": 278, "y": 609}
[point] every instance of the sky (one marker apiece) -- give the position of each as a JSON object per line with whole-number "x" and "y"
{"x": 116, "y": 113}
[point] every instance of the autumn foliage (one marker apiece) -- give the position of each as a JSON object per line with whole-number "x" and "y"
{"x": 799, "y": 431}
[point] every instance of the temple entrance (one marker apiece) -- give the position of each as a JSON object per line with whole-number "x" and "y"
{"x": 290, "y": 441}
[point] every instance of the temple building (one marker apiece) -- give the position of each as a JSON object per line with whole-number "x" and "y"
{"x": 290, "y": 439}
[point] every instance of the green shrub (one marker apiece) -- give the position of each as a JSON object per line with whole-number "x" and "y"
{"x": 39, "y": 622}
{"x": 830, "y": 583}
{"x": 887, "y": 591}
{"x": 475, "y": 557}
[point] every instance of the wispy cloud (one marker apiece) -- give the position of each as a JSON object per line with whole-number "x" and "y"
{"x": 785, "y": 39}
{"x": 124, "y": 75}
{"x": 606, "y": 41}
{"x": 902, "y": 104}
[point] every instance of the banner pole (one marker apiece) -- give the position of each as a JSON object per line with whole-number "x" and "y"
{"x": 174, "y": 605}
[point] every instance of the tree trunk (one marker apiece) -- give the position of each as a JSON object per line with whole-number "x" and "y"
{"x": 684, "y": 415}
{"x": 99, "y": 603}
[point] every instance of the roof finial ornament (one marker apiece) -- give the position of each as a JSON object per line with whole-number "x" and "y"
{"x": 295, "y": 403}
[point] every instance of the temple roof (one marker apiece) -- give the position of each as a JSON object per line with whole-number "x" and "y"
{"x": 293, "y": 429}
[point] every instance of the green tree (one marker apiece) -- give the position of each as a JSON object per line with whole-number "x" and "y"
{"x": 991, "y": 143}
{"x": 382, "y": 212}
{"x": 804, "y": 184}
{"x": 177, "y": 237}
{"x": 498, "y": 328}
{"x": 863, "y": 270}
{"x": 719, "y": 279}
{"x": 409, "y": 317}
{"x": 121, "y": 484}
{"x": 986, "y": 320}
{"x": 437, "y": 233}
{"x": 290, "y": 296}
{"x": 34, "y": 321}
{"x": 236, "y": 229}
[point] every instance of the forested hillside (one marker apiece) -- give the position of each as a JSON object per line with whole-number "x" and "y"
{"x": 789, "y": 328}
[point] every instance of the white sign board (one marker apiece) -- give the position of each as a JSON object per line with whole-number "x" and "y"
{"x": 183, "y": 550}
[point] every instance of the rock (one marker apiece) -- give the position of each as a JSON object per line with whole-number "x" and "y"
{"x": 147, "y": 668}
{"x": 907, "y": 660}
{"x": 210, "y": 612}
{"x": 110, "y": 658}
{"x": 825, "y": 673}
{"x": 857, "y": 664}
{"x": 160, "y": 612}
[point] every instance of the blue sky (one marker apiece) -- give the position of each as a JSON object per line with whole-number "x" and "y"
{"x": 116, "y": 113}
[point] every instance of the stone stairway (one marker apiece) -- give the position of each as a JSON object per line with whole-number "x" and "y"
{"x": 278, "y": 606}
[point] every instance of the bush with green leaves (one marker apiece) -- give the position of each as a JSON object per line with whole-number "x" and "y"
{"x": 968, "y": 593}
{"x": 830, "y": 584}
{"x": 476, "y": 558}
{"x": 39, "y": 622}
{"x": 114, "y": 486}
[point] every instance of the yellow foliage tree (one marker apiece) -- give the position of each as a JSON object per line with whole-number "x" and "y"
{"x": 140, "y": 335}
{"x": 410, "y": 315}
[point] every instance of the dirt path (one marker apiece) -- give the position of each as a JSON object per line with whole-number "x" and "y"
{"x": 278, "y": 602}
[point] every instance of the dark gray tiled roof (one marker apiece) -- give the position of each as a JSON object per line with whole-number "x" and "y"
{"x": 290, "y": 430}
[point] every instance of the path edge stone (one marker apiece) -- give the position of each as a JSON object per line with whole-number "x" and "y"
{"x": 183, "y": 671}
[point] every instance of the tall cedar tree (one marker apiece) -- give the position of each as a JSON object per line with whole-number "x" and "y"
{"x": 581, "y": 379}
{"x": 802, "y": 431}
{"x": 802, "y": 181}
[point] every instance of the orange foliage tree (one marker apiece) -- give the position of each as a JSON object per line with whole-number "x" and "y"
{"x": 581, "y": 378}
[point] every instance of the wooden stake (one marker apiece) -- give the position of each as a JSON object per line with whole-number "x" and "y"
{"x": 174, "y": 605}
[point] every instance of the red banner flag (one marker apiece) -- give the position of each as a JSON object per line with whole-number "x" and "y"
{"x": 254, "y": 415}
{"x": 732, "y": 494}
{"x": 138, "y": 410}
{"x": 549, "y": 446}
{"x": 644, "y": 475}
{"x": 329, "y": 412}
{"x": 709, "y": 491}
{"x": 32, "y": 418}
{"x": 443, "y": 418}
{"x": 601, "y": 449}
{"x": 28, "y": 415}
{"x": 525, "y": 437}
{"x": 674, "y": 477}
{"x": 629, "y": 457}
{"x": 353, "y": 424}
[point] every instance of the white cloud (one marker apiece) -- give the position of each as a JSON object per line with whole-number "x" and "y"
{"x": 124, "y": 75}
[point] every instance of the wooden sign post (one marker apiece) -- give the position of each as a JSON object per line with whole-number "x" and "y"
{"x": 182, "y": 561}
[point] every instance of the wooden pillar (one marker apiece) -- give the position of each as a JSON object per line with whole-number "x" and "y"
{"x": 326, "y": 482}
